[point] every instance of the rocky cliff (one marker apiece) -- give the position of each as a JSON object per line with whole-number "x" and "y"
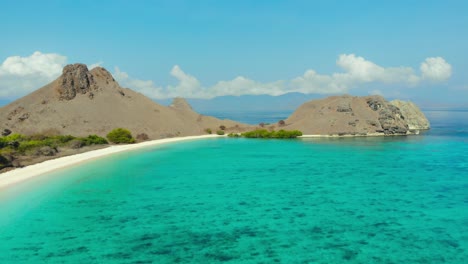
{"x": 352, "y": 115}
{"x": 415, "y": 119}
{"x": 82, "y": 102}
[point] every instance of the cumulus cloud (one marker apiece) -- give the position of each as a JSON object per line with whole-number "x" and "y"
{"x": 356, "y": 71}
{"x": 190, "y": 87}
{"x": 436, "y": 69}
{"x": 21, "y": 75}
{"x": 147, "y": 88}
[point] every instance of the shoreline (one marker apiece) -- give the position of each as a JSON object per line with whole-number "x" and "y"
{"x": 22, "y": 174}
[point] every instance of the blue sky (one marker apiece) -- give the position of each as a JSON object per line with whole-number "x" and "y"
{"x": 204, "y": 49}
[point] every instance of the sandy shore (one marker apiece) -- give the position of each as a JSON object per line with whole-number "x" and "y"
{"x": 376, "y": 134}
{"x": 22, "y": 174}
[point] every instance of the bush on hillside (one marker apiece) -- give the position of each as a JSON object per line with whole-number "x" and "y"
{"x": 208, "y": 131}
{"x": 120, "y": 135}
{"x": 94, "y": 140}
{"x": 220, "y": 132}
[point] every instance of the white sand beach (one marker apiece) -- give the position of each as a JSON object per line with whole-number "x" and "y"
{"x": 22, "y": 174}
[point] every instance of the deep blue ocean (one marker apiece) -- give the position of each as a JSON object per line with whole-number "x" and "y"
{"x": 348, "y": 200}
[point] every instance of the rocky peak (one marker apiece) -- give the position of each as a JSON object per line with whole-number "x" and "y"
{"x": 180, "y": 104}
{"x": 75, "y": 79}
{"x": 102, "y": 73}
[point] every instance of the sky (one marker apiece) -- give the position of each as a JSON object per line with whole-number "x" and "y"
{"x": 412, "y": 50}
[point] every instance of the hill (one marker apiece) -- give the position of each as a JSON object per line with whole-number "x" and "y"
{"x": 82, "y": 102}
{"x": 352, "y": 115}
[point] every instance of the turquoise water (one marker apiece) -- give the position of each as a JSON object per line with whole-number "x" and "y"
{"x": 357, "y": 200}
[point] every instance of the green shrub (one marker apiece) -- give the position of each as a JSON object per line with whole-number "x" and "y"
{"x": 27, "y": 145}
{"x": 220, "y": 132}
{"x": 235, "y": 135}
{"x": 14, "y": 137}
{"x": 263, "y": 133}
{"x": 120, "y": 135}
{"x": 63, "y": 138}
{"x": 208, "y": 131}
{"x": 97, "y": 140}
{"x": 258, "y": 133}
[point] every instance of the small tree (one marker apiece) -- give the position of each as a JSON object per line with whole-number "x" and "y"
{"x": 222, "y": 127}
{"x": 220, "y": 132}
{"x": 208, "y": 131}
{"x": 262, "y": 124}
{"x": 120, "y": 135}
{"x": 281, "y": 123}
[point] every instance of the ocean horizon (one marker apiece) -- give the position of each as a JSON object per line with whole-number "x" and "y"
{"x": 354, "y": 200}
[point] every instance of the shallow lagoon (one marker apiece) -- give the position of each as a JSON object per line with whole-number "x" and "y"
{"x": 356, "y": 200}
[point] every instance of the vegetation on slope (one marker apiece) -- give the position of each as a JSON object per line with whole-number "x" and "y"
{"x": 263, "y": 133}
{"x": 13, "y": 146}
{"x": 120, "y": 135}
{"x": 25, "y": 144}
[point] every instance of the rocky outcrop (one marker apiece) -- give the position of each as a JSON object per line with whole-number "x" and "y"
{"x": 75, "y": 79}
{"x": 390, "y": 117}
{"x": 46, "y": 151}
{"x": 415, "y": 119}
{"x": 352, "y": 116}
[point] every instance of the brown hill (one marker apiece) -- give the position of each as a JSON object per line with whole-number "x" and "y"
{"x": 82, "y": 102}
{"x": 351, "y": 115}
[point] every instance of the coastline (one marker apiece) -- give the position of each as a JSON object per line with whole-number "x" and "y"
{"x": 376, "y": 134}
{"x": 21, "y": 174}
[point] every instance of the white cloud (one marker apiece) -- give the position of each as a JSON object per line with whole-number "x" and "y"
{"x": 21, "y": 75}
{"x": 190, "y": 87}
{"x": 94, "y": 65}
{"x": 436, "y": 69}
{"x": 357, "y": 71}
{"x": 147, "y": 88}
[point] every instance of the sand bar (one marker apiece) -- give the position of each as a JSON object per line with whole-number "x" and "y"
{"x": 22, "y": 174}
